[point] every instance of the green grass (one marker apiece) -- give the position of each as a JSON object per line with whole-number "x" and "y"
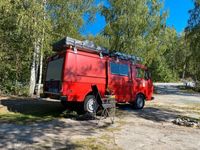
{"x": 30, "y": 114}
{"x": 19, "y": 118}
{"x": 189, "y": 106}
{"x": 26, "y": 110}
{"x": 104, "y": 142}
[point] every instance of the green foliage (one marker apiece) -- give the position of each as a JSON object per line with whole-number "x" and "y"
{"x": 135, "y": 27}
{"x": 14, "y": 55}
{"x": 193, "y": 38}
{"x": 139, "y": 27}
{"x": 67, "y": 16}
{"x": 25, "y": 24}
{"x": 99, "y": 39}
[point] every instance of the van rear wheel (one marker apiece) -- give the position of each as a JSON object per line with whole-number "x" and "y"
{"x": 139, "y": 102}
{"x": 90, "y": 104}
{"x": 64, "y": 104}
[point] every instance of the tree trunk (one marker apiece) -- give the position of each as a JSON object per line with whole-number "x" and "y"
{"x": 32, "y": 78}
{"x": 183, "y": 75}
{"x": 32, "y": 82}
{"x": 40, "y": 74}
{"x": 41, "y": 51}
{"x": 37, "y": 63}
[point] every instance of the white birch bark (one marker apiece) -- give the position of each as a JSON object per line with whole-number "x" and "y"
{"x": 40, "y": 74}
{"x": 32, "y": 82}
{"x": 41, "y": 50}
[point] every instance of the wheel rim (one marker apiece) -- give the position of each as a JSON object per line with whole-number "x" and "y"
{"x": 91, "y": 105}
{"x": 140, "y": 102}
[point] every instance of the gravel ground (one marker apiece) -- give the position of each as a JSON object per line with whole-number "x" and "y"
{"x": 150, "y": 128}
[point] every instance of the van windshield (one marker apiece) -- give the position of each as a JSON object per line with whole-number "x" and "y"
{"x": 54, "y": 70}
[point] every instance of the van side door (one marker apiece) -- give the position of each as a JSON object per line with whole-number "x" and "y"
{"x": 149, "y": 88}
{"x": 139, "y": 82}
{"x": 142, "y": 83}
{"x": 119, "y": 80}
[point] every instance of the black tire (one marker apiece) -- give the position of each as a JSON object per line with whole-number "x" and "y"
{"x": 64, "y": 104}
{"x": 90, "y": 104}
{"x": 139, "y": 102}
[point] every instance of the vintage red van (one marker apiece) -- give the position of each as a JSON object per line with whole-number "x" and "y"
{"x": 79, "y": 64}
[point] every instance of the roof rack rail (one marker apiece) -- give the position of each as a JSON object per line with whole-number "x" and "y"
{"x": 86, "y": 45}
{"x": 125, "y": 56}
{"x": 91, "y": 47}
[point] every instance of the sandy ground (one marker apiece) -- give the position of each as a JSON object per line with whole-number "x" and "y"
{"x": 150, "y": 128}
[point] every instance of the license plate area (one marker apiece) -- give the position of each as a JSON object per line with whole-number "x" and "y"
{"x": 52, "y": 86}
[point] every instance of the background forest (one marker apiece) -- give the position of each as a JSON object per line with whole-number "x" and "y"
{"x": 28, "y": 28}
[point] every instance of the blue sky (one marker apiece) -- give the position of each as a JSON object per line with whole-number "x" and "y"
{"x": 178, "y": 16}
{"x": 178, "y": 13}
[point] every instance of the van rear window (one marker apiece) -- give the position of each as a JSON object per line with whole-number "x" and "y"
{"x": 119, "y": 69}
{"x": 54, "y": 70}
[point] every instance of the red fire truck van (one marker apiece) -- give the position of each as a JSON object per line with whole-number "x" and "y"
{"x": 79, "y": 64}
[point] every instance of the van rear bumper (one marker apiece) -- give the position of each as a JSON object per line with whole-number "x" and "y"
{"x": 63, "y": 98}
{"x": 52, "y": 95}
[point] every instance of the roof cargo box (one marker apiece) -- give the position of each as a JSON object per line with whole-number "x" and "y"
{"x": 91, "y": 48}
{"x": 81, "y": 45}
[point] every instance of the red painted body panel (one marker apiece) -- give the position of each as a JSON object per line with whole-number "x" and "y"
{"x": 120, "y": 85}
{"x": 82, "y": 69}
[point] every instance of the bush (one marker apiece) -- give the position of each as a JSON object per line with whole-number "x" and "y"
{"x": 14, "y": 88}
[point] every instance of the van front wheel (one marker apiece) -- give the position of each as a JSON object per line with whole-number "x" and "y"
{"x": 90, "y": 104}
{"x": 139, "y": 102}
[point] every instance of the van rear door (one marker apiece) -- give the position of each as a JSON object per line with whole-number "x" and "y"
{"x": 54, "y": 75}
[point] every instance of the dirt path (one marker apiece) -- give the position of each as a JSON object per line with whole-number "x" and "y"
{"x": 150, "y": 128}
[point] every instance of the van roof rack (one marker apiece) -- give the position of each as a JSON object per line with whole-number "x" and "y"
{"x": 124, "y": 56}
{"x": 91, "y": 47}
{"x": 85, "y": 45}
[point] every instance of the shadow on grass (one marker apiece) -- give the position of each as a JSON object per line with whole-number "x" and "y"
{"x": 30, "y": 110}
{"x": 43, "y": 135}
{"x": 67, "y": 145}
{"x": 149, "y": 113}
{"x": 35, "y": 112}
{"x": 33, "y": 107}
{"x": 22, "y": 111}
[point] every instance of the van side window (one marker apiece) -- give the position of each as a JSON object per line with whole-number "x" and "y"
{"x": 123, "y": 69}
{"x": 140, "y": 73}
{"x": 119, "y": 69}
{"x": 114, "y": 67}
